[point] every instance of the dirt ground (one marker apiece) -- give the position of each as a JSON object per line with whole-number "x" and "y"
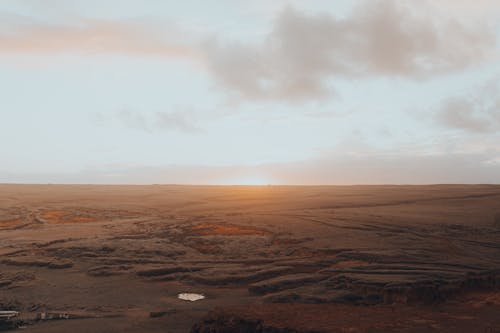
{"x": 267, "y": 258}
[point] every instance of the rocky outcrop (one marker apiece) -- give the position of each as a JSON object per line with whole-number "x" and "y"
{"x": 380, "y": 287}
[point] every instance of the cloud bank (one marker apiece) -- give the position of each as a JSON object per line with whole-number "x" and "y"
{"x": 299, "y": 57}
{"x": 379, "y": 38}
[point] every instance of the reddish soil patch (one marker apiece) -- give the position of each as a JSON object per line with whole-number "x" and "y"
{"x": 10, "y": 223}
{"x": 63, "y": 216}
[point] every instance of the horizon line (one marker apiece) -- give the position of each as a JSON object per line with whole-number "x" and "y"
{"x": 248, "y": 185}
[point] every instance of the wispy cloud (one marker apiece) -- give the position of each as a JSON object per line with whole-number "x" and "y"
{"x": 179, "y": 120}
{"x": 477, "y": 112}
{"x": 91, "y": 36}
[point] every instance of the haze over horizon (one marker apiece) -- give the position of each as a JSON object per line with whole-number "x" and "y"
{"x": 233, "y": 92}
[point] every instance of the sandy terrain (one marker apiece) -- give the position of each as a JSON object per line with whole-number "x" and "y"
{"x": 268, "y": 259}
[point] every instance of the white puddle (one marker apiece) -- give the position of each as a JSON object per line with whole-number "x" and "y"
{"x": 190, "y": 297}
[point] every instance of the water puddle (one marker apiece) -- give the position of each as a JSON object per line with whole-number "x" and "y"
{"x": 190, "y": 297}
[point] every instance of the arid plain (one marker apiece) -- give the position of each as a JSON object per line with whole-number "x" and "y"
{"x": 88, "y": 258}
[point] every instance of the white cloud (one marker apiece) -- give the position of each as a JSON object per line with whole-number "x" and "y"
{"x": 380, "y": 38}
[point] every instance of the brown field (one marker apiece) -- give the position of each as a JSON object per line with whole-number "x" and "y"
{"x": 267, "y": 258}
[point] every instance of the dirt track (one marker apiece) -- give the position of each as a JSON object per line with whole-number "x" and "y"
{"x": 111, "y": 255}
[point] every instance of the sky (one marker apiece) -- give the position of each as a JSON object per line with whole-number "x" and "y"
{"x": 250, "y": 92}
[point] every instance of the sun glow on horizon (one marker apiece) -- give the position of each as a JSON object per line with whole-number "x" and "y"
{"x": 248, "y": 181}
